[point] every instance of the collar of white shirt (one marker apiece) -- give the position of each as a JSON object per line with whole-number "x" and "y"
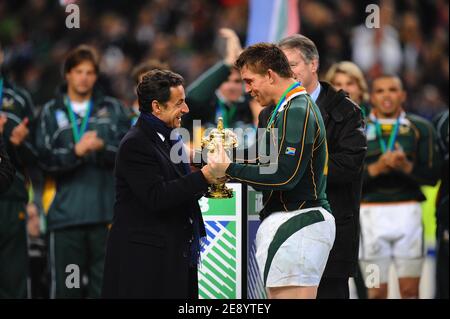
{"x": 315, "y": 94}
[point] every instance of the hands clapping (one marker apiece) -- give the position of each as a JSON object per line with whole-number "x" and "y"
{"x": 391, "y": 161}
{"x": 3, "y": 120}
{"x": 88, "y": 143}
{"x": 19, "y": 133}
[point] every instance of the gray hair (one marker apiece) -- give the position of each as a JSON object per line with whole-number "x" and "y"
{"x": 304, "y": 44}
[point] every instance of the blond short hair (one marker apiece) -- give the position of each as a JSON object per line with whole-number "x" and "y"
{"x": 352, "y": 70}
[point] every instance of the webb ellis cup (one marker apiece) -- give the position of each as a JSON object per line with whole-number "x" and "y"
{"x": 228, "y": 139}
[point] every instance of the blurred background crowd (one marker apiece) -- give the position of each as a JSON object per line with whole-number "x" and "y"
{"x": 183, "y": 33}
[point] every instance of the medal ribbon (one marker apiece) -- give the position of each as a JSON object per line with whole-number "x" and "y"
{"x": 76, "y": 130}
{"x": 286, "y": 93}
{"x": 392, "y": 136}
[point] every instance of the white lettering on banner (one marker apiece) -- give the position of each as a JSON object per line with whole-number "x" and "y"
{"x": 373, "y": 19}
{"x": 73, "y": 19}
{"x": 73, "y": 279}
{"x": 373, "y": 277}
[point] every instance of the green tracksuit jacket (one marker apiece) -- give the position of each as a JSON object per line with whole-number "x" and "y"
{"x": 84, "y": 186}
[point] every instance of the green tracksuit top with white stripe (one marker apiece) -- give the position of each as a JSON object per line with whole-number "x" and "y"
{"x": 301, "y": 159}
{"x": 417, "y": 138}
{"x": 16, "y": 104}
{"x": 84, "y": 185}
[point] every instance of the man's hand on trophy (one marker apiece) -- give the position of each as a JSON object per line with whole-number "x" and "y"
{"x": 206, "y": 170}
{"x": 210, "y": 178}
{"x": 195, "y": 157}
{"x": 218, "y": 161}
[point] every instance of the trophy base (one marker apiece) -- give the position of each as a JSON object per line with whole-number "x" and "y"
{"x": 219, "y": 191}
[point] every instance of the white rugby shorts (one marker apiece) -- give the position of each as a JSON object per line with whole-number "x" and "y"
{"x": 392, "y": 232}
{"x": 292, "y": 248}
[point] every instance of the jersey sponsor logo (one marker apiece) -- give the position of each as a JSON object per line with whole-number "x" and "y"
{"x": 7, "y": 103}
{"x": 290, "y": 151}
{"x": 61, "y": 118}
{"x": 403, "y": 129}
{"x": 103, "y": 112}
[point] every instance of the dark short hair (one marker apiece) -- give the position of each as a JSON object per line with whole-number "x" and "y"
{"x": 386, "y": 76}
{"x": 146, "y": 66}
{"x": 79, "y": 55}
{"x": 304, "y": 44}
{"x": 261, "y": 57}
{"x": 155, "y": 85}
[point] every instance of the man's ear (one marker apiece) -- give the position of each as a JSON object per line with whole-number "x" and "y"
{"x": 404, "y": 96}
{"x": 271, "y": 74}
{"x": 315, "y": 65}
{"x": 156, "y": 108}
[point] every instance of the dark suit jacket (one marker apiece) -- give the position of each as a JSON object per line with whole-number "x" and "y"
{"x": 347, "y": 147}
{"x": 149, "y": 242}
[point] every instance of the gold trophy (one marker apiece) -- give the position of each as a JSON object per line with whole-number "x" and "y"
{"x": 216, "y": 137}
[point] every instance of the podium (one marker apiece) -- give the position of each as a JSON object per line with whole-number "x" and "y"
{"x": 228, "y": 267}
{"x": 220, "y": 272}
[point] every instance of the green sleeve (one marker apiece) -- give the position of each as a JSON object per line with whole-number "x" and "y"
{"x": 26, "y": 152}
{"x": 202, "y": 89}
{"x": 296, "y": 131}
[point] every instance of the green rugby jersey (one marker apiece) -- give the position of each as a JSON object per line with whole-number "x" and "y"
{"x": 79, "y": 190}
{"x": 301, "y": 159}
{"x": 417, "y": 138}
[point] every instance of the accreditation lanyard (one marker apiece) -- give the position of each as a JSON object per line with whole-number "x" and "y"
{"x": 1, "y": 93}
{"x": 392, "y": 136}
{"x": 280, "y": 102}
{"x": 227, "y": 114}
{"x": 78, "y": 131}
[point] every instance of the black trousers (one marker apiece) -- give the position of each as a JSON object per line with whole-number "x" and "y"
{"x": 193, "y": 283}
{"x": 361, "y": 288}
{"x": 442, "y": 263}
{"x": 82, "y": 246}
{"x": 13, "y": 250}
{"x": 333, "y": 288}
